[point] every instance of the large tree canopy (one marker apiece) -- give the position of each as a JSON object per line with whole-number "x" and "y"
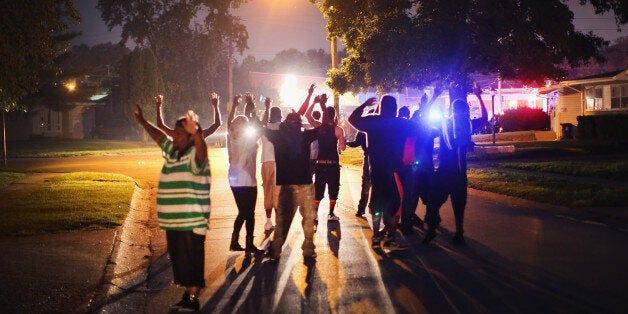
{"x": 32, "y": 36}
{"x": 190, "y": 40}
{"x": 412, "y": 43}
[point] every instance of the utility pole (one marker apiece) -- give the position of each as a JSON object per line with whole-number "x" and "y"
{"x": 334, "y": 65}
{"x": 230, "y": 72}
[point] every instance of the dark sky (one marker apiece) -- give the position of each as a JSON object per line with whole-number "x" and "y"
{"x": 276, "y": 25}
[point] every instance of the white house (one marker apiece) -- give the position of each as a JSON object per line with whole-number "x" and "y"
{"x": 602, "y": 94}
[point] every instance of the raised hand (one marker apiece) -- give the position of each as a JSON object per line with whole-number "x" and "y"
{"x": 138, "y": 114}
{"x": 311, "y": 89}
{"x": 268, "y": 102}
{"x": 214, "y": 99}
{"x": 158, "y": 100}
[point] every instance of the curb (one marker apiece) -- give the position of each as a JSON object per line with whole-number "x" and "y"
{"x": 123, "y": 288}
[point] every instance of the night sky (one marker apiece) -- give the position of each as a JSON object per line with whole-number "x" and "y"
{"x": 276, "y": 25}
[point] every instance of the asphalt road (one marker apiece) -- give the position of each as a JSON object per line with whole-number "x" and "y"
{"x": 516, "y": 260}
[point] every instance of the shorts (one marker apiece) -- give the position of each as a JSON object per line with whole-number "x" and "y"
{"x": 385, "y": 194}
{"x": 327, "y": 175}
{"x": 187, "y": 254}
{"x": 271, "y": 190}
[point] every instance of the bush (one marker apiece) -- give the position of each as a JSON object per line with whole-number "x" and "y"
{"x": 603, "y": 127}
{"x": 524, "y": 119}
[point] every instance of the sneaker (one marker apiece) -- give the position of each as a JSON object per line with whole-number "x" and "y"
{"x": 458, "y": 238}
{"x": 251, "y": 249}
{"x": 332, "y": 217}
{"x": 268, "y": 226}
{"x": 429, "y": 236}
{"x": 393, "y": 245}
{"x": 375, "y": 240}
{"x": 235, "y": 247}
{"x": 188, "y": 304}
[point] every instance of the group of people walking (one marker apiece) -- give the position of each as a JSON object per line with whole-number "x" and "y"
{"x": 298, "y": 163}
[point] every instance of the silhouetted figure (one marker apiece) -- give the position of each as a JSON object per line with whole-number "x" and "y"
{"x": 292, "y": 157}
{"x": 387, "y": 137}
{"x": 450, "y": 179}
{"x": 330, "y": 140}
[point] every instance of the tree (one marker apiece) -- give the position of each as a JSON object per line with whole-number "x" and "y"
{"x": 139, "y": 83}
{"x": 190, "y": 54}
{"x": 412, "y": 43}
{"x": 33, "y": 34}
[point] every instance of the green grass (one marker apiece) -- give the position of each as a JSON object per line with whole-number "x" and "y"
{"x": 547, "y": 190}
{"x": 68, "y": 147}
{"x": 70, "y": 202}
{"x": 612, "y": 169}
{"x": 7, "y": 178}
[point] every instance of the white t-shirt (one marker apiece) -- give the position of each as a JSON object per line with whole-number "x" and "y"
{"x": 268, "y": 150}
{"x": 242, "y": 153}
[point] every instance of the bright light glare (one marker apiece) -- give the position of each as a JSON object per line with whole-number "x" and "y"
{"x": 288, "y": 92}
{"x": 435, "y": 115}
{"x": 250, "y": 131}
{"x": 71, "y": 85}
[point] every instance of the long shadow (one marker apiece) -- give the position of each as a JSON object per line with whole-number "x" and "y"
{"x": 473, "y": 278}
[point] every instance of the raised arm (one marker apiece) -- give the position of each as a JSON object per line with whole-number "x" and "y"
{"x": 190, "y": 125}
{"x": 266, "y": 115}
{"x": 249, "y": 108}
{"x": 306, "y": 102}
{"x": 215, "y": 99}
{"x": 156, "y": 134}
{"x": 356, "y": 115}
{"x": 234, "y": 106}
{"x": 160, "y": 119}
{"x": 478, "y": 93}
{"x": 340, "y": 135}
{"x": 308, "y": 113}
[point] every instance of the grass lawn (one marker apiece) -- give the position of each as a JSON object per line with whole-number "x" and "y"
{"x": 547, "y": 190}
{"x": 7, "y": 177}
{"x": 612, "y": 169}
{"x": 70, "y": 202}
{"x": 69, "y": 147}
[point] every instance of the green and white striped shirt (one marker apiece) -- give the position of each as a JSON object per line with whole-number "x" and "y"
{"x": 183, "y": 192}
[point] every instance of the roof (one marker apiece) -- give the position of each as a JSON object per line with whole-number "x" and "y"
{"x": 608, "y": 77}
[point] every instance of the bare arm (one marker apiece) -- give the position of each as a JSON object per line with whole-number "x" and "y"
{"x": 160, "y": 119}
{"x": 234, "y": 106}
{"x": 340, "y": 135}
{"x": 266, "y": 115}
{"x": 156, "y": 134}
{"x": 308, "y": 113}
{"x": 306, "y": 102}
{"x": 215, "y": 99}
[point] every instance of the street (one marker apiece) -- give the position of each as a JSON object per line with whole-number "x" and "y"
{"x": 516, "y": 260}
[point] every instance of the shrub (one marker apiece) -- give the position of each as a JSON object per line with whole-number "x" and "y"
{"x": 603, "y": 127}
{"x": 524, "y": 119}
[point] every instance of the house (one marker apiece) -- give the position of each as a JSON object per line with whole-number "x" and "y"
{"x": 602, "y": 94}
{"x": 74, "y": 119}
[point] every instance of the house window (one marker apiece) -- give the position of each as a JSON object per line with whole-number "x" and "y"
{"x": 594, "y": 98}
{"x": 619, "y": 96}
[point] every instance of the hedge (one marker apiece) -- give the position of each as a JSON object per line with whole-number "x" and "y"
{"x": 603, "y": 127}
